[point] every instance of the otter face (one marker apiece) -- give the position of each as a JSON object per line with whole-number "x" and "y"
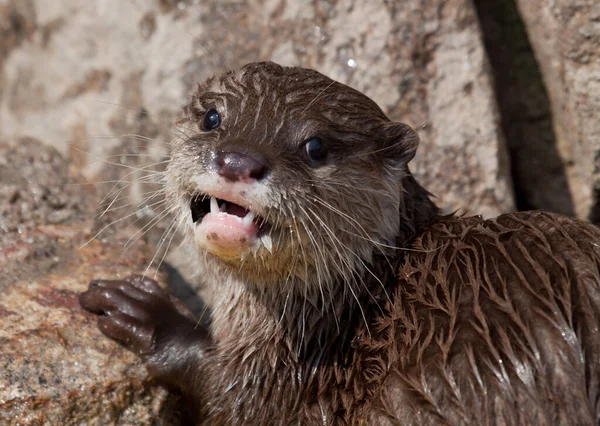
{"x": 287, "y": 173}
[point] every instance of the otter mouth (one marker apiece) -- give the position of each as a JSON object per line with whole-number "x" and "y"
{"x": 203, "y": 204}
{"x": 226, "y": 228}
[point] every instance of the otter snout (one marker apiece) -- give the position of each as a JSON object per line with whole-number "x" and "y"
{"x": 237, "y": 166}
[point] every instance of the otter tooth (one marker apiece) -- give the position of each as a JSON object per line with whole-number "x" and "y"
{"x": 267, "y": 242}
{"x": 247, "y": 221}
{"x": 223, "y": 208}
{"x": 214, "y": 205}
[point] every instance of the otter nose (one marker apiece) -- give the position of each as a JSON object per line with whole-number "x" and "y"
{"x": 236, "y": 166}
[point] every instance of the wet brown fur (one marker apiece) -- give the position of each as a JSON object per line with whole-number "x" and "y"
{"x": 492, "y": 322}
{"x": 471, "y": 321}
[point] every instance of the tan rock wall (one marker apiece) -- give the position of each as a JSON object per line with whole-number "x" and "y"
{"x": 565, "y": 35}
{"x": 90, "y": 72}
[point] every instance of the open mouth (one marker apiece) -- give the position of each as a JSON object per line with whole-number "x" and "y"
{"x": 203, "y": 204}
{"x": 226, "y": 228}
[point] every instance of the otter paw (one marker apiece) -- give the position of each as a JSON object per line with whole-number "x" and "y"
{"x": 135, "y": 311}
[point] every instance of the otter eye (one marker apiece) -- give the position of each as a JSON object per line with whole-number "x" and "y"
{"x": 315, "y": 152}
{"x": 212, "y": 120}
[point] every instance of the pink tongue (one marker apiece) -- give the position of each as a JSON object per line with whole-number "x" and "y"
{"x": 225, "y": 233}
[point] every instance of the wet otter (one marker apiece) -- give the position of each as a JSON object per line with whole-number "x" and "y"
{"x": 341, "y": 295}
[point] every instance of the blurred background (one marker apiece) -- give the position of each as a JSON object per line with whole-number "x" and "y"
{"x": 505, "y": 95}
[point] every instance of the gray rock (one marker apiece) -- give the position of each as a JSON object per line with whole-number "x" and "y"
{"x": 565, "y": 35}
{"x": 538, "y": 172}
{"x": 55, "y": 366}
{"x": 89, "y": 73}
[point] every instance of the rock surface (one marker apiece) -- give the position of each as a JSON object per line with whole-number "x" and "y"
{"x": 565, "y": 35}
{"x": 55, "y": 366}
{"x": 538, "y": 170}
{"x": 86, "y": 73}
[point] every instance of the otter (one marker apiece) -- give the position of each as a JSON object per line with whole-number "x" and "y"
{"x": 340, "y": 293}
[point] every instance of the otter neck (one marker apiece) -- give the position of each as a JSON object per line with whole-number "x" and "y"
{"x": 295, "y": 319}
{"x": 417, "y": 211}
{"x": 295, "y": 325}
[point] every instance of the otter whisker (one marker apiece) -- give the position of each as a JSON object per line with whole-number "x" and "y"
{"x": 330, "y": 183}
{"x": 144, "y": 113}
{"x": 147, "y": 227}
{"x": 319, "y": 266}
{"x": 112, "y": 163}
{"x": 390, "y": 246}
{"x": 386, "y": 148}
{"x": 116, "y": 197}
{"x": 160, "y": 244}
{"x": 349, "y": 268}
{"x": 149, "y": 195}
{"x": 119, "y": 191}
{"x": 135, "y": 169}
{"x": 356, "y": 257}
{"x": 341, "y": 270}
{"x": 116, "y": 185}
{"x": 166, "y": 158}
{"x": 319, "y": 94}
{"x": 305, "y": 287}
{"x": 133, "y": 136}
{"x": 138, "y": 206}
{"x": 143, "y": 179}
{"x": 105, "y": 228}
{"x": 173, "y": 233}
{"x": 356, "y": 225}
{"x": 353, "y": 222}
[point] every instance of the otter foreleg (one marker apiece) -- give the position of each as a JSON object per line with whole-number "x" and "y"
{"x": 138, "y": 313}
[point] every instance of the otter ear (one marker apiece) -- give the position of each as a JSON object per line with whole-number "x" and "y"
{"x": 400, "y": 143}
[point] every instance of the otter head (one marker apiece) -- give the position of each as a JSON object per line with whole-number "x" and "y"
{"x": 287, "y": 174}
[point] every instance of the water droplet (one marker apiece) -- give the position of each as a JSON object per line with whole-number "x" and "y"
{"x": 346, "y": 55}
{"x": 181, "y": 5}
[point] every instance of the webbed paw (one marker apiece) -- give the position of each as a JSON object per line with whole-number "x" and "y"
{"x": 137, "y": 312}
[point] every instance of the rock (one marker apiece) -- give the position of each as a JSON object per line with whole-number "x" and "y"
{"x": 38, "y": 188}
{"x": 55, "y": 366}
{"x": 538, "y": 171}
{"x": 565, "y": 35}
{"x": 92, "y": 73}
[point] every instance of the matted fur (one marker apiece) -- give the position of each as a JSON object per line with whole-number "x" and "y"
{"x": 372, "y": 308}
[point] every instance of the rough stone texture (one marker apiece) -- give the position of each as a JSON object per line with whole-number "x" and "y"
{"x": 37, "y": 188}
{"x": 55, "y": 366}
{"x": 90, "y": 72}
{"x": 565, "y": 35}
{"x": 538, "y": 171}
